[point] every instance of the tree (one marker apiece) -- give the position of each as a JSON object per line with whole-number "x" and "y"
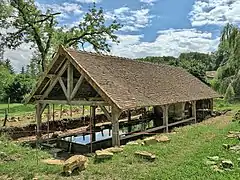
{"x": 229, "y": 95}
{"x": 21, "y": 85}
{"x": 9, "y": 66}
{"x": 23, "y": 70}
{"x": 33, "y": 25}
{"x": 6, "y": 79}
{"x": 228, "y": 59}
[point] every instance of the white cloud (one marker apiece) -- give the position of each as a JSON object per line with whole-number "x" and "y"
{"x": 215, "y": 12}
{"x": 150, "y": 2}
{"x": 89, "y": 1}
{"x": 19, "y": 57}
{"x": 170, "y": 42}
{"x": 65, "y": 8}
{"x": 132, "y": 20}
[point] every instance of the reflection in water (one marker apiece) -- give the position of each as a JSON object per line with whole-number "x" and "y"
{"x": 107, "y": 133}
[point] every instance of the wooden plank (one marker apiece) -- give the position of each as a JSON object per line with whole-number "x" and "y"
{"x": 69, "y": 81}
{"x": 55, "y": 80}
{"x": 63, "y": 86}
{"x": 77, "y": 86}
{"x": 86, "y": 103}
{"x": 105, "y": 111}
{"x": 115, "y": 127}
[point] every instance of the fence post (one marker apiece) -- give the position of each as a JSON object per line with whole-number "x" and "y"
{"x": 9, "y": 104}
{"x": 5, "y": 119}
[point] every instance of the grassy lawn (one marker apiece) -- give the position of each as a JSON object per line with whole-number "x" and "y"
{"x": 17, "y": 109}
{"x": 183, "y": 158}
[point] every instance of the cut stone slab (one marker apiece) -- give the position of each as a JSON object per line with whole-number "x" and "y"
{"x": 210, "y": 162}
{"x": 233, "y": 134}
{"x": 75, "y": 162}
{"x": 132, "y": 143}
{"x": 238, "y": 161}
{"x": 213, "y": 158}
{"x": 227, "y": 164}
{"x": 216, "y": 168}
{"x": 235, "y": 148}
{"x": 53, "y": 161}
{"x": 145, "y": 155}
{"x": 114, "y": 149}
{"x": 150, "y": 140}
{"x": 103, "y": 154}
{"x": 162, "y": 138}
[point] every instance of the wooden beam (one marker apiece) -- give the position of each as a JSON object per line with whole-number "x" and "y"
{"x": 39, "y": 120}
{"x": 69, "y": 81}
{"x": 105, "y": 111}
{"x": 211, "y": 106}
{"x": 77, "y": 86}
{"x": 86, "y": 103}
{"x": 50, "y": 76}
{"x": 55, "y": 80}
{"x": 194, "y": 112}
{"x": 43, "y": 106}
{"x": 165, "y": 116}
{"x": 115, "y": 127}
{"x": 90, "y": 80}
{"x": 63, "y": 86}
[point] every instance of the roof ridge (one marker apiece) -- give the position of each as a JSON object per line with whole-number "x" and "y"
{"x": 120, "y": 57}
{"x": 99, "y": 54}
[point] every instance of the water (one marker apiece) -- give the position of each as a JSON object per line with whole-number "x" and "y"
{"x": 107, "y": 133}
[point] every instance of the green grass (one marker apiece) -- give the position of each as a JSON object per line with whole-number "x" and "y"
{"x": 221, "y": 104}
{"x": 22, "y": 161}
{"x": 183, "y": 158}
{"x": 16, "y": 109}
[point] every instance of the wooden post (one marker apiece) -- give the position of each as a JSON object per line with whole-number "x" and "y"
{"x": 194, "y": 112}
{"x": 60, "y": 111}
{"x": 115, "y": 127}
{"x": 83, "y": 110}
{"x": 183, "y": 110}
{"x": 211, "y": 106}
{"x": 5, "y": 119}
{"x": 48, "y": 118}
{"x": 39, "y": 120}
{"x": 165, "y": 116}
{"x": 93, "y": 120}
{"x": 70, "y": 110}
{"x": 53, "y": 109}
{"x": 129, "y": 119}
{"x": 8, "y": 104}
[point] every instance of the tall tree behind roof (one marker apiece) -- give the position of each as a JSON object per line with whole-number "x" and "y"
{"x": 32, "y": 25}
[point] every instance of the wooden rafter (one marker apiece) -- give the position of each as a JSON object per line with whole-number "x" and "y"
{"x": 69, "y": 81}
{"x": 77, "y": 86}
{"x": 55, "y": 80}
{"x": 105, "y": 111}
{"x": 63, "y": 86}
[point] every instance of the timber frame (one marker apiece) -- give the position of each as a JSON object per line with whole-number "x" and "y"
{"x": 70, "y": 90}
{"x": 66, "y": 81}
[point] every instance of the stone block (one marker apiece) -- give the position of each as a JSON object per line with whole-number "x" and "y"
{"x": 75, "y": 162}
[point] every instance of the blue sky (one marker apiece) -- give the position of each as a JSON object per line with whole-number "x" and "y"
{"x": 151, "y": 27}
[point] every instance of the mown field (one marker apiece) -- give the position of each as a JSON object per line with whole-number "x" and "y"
{"x": 184, "y": 157}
